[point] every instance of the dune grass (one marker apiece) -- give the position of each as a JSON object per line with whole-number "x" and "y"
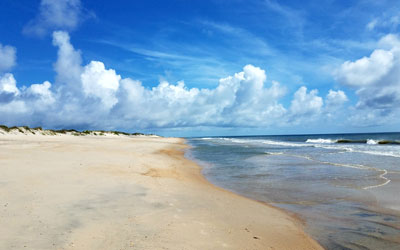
{"x": 65, "y": 131}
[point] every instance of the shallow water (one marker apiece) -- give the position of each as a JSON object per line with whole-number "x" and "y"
{"x": 344, "y": 186}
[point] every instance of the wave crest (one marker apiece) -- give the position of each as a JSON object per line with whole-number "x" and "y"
{"x": 320, "y": 140}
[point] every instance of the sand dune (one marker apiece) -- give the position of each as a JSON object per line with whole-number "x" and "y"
{"x": 125, "y": 192}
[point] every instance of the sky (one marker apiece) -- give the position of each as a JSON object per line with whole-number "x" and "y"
{"x": 201, "y": 67}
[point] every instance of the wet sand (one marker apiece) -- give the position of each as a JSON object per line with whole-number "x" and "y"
{"x": 116, "y": 192}
{"x": 387, "y": 196}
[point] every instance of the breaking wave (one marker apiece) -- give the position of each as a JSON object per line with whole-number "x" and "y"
{"x": 366, "y": 141}
{"x": 320, "y": 141}
{"x": 368, "y": 146}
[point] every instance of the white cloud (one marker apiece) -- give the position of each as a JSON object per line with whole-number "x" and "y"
{"x": 241, "y": 99}
{"x": 101, "y": 83}
{"x": 334, "y": 104}
{"x": 10, "y": 105}
{"x": 42, "y": 92}
{"x": 376, "y": 79}
{"x": 68, "y": 66}
{"x": 11, "y": 111}
{"x": 8, "y": 85}
{"x": 335, "y": 99}
{"x": 306, "y": 104}
{"x": 55, "y": 14}
{"x": 7, "y": 57}
{"x": 390, "y": 42}
{"x": 92, "y": 96}
{"x": 366, "y": 70}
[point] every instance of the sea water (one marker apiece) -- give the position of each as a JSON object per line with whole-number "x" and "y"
{"x": 345, "y": 187}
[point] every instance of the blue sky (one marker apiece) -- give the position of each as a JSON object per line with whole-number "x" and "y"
{"x": 201, "y": 67}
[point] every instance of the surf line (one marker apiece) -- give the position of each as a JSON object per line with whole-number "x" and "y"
{"x": 382, "y": 176}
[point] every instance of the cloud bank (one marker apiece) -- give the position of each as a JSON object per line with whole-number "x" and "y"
{"x": 93, "y": 96}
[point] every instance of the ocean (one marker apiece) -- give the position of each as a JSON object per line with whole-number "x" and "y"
{"x": 344, "y": 187}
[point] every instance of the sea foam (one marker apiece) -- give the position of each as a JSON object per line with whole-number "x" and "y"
{"x": 320, "y": 140}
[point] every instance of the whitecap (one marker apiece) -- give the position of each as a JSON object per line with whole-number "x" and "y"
{"x": 320, "y": 140}
{"x": 371, "y": 142}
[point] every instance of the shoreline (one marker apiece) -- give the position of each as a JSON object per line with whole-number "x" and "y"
{"x": 325, "y": 187}
{"x": 295, "y": 217}
{"x": 92, "y": 192}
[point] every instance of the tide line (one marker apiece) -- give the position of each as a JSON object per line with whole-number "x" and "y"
{"x": 383, "y": 177}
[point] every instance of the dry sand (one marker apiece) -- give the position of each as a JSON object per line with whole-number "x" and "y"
{"x": 98, "y": 192}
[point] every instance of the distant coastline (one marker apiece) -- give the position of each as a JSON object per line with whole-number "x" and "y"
{"x": 40, "y": 131}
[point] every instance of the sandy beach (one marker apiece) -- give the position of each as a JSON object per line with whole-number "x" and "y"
{"x": 120, "y": 192}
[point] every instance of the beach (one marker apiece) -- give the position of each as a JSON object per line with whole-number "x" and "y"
{"x": 126, "y": 192}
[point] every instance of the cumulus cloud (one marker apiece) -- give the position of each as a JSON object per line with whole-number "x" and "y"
{"x": 94, "y": 96}
{"x": 8, "y": 84}
{"x": 334, "y": 104}
{"x": 42, "y": 93}
{"x": 231, "y": 103}
{"x": 335, "y": 99}
{"x": 55, "y": 14}
{"x": 376, "y": 78}
{"x": 68, "y": 66}
{"x": 306, "y": 104}
{"x": 10, "y": 105}
{"x": 366, "y": 70}
{"x": 100, "y": 83}
{"x": 7, "y": 57}
{"x": 13, "y": 111}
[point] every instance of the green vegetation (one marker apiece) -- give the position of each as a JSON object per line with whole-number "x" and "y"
{"x": 140, "y": 134}
{"x": 65, "y": 131}
{"x": 26, "y": 128}
{"x": 5, "y": 128}
{"x": 52, "y": 132}
{"x": 16, "y": 128}
{"x": 120, "y": 133}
